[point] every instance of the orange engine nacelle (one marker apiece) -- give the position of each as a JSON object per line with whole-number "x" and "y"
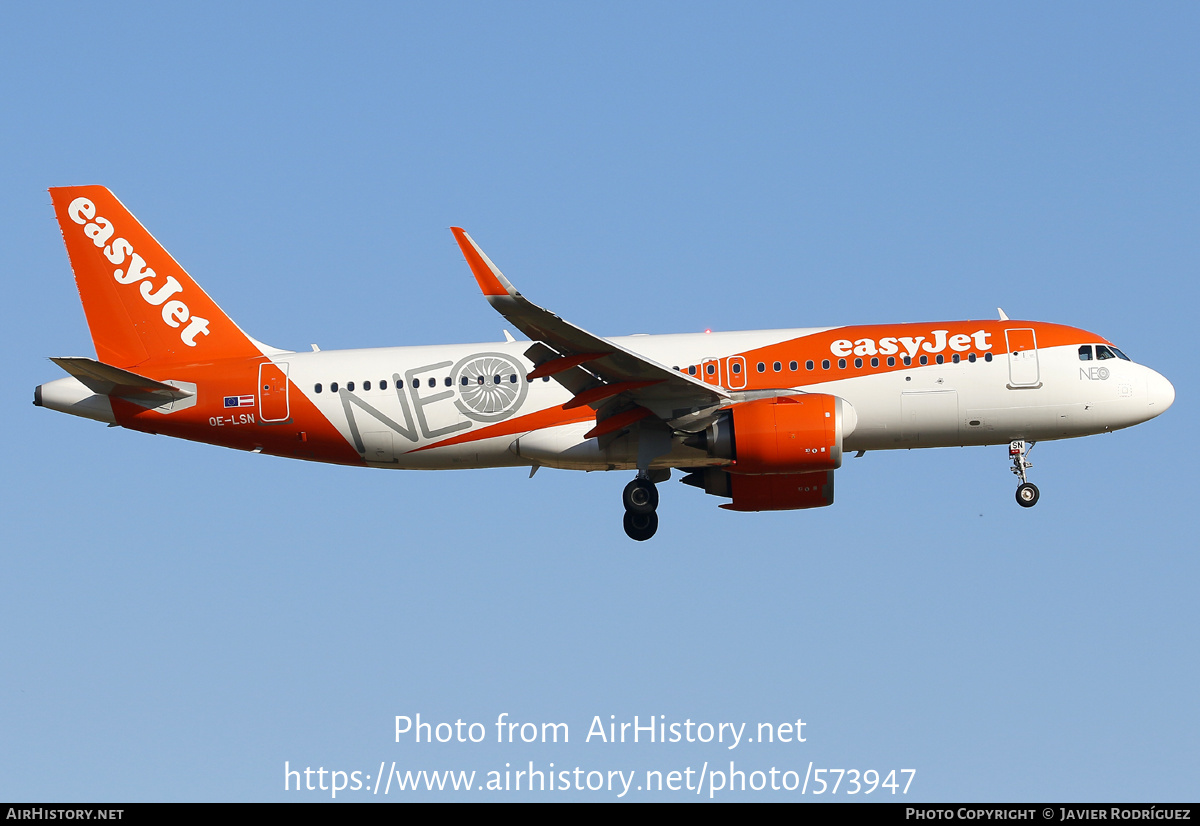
{"x": 788, "y": 434}
{"x": 783, "y": 434}
{"x": 782, "y": 452}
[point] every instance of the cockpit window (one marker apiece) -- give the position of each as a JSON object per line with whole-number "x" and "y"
{"x": 1121, "y": 355}
{"x": 1103, "y": 353}
{"x": 1085, "y": 352}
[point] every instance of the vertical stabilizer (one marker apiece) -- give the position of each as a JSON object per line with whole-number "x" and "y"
{"x": 142, "y": 307}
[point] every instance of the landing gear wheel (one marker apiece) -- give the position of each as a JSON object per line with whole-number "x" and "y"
{"x": 1027, "y": 492}
{"x": 640, "y": 496}
{"x": 1027, "y": 495}
{"x": 640, "y": 526}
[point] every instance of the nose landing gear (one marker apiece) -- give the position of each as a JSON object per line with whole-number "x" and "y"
{"x": 1027, "y": 492}
{"x": 640, "y": 498}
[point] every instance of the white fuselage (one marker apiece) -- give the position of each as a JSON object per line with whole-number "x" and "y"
{"x": 408, "y": 402}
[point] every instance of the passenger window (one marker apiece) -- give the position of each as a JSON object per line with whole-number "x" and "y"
{"x": 333, "y": 387}
{"x": 875, "y": 361}
{"x": 449, "y": 382}
{"x": 858, "y": 362}
{"x": 317, "y": 389}
{"x": 808, "y": 365}
{"x": 891, "y": 361}
{"x": 824, "y": 364}
{"x": 987, "y": 356}
{"x": 841, "y": 364}
{"x": 736, "y": 368}
{"x": 971, "y": 358}
{"x": 383, "y": 385}
{"x": 479, "y": 381}
{"x": 924, "y": 359}
{"x": 776, "y": 367}
{"x": 691, "y": 369}
{"x": 955, "y": 358}
{"x": 908, "y": 361}
{"x": 793, "y": 366}
{"x": 545, "y": 378}
{"x": 1103, "y": 353}
{"x": 1085, "y": 352}
{"x": 941, "y": 359}
{"x": 366, "y": 385}
{"x": 511, "y": 379}
{"x": 762, "y": 368}
{"x": 416, "y": 383}
{"x": 710, "y": 369}
{"x": 466, "y": 381}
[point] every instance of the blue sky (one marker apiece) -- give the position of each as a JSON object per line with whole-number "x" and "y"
{"x": 179, "y": 620}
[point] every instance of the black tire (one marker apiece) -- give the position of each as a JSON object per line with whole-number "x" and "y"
{"x": 640, "y": 496}
{"x": 640, "y": 526}
{"x": 1027, "y": 495}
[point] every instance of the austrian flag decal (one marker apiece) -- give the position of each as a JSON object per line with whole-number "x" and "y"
{"x": 239, "y": 401}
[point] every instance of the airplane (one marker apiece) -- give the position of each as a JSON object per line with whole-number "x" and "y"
{"x": 761, "y": 418}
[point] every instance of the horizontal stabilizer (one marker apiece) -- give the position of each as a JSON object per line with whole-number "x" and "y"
{"x": 106, "y": 380}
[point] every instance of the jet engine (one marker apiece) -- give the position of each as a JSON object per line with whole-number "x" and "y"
{"x": 784, "y": 434}
{"x": 782, "y": 452}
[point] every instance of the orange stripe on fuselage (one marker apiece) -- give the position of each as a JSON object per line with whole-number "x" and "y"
{"x": 819, "y": 347}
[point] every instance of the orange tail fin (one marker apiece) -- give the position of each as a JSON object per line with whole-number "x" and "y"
{"x": 142, "y": 307}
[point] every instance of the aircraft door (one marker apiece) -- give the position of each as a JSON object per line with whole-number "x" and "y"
{"x": 710, "y": 371}
{"x": 1022, "y": 358}
{"x": 273, "y": 392}
{"x": 735, "y": 372}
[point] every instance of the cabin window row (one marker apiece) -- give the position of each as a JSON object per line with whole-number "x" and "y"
{"x": 736, "y": 367}
{"x": 383, "y": 384}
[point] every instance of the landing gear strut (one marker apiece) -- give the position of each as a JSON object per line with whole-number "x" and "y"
{"x": 1027, "y": 492}
{"x": 641, "y": 500}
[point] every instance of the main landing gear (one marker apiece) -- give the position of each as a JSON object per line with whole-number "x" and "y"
{"x": 1027, "y": 492}
{"x": 641, "y": 501}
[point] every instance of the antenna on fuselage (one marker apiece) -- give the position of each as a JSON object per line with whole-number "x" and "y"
{"x": 1003, "y": 315}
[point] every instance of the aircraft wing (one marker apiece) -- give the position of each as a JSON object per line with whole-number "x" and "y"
{"x": 601, "y": 374}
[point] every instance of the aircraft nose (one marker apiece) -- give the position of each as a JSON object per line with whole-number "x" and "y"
{"x": 1160, "y": 393}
